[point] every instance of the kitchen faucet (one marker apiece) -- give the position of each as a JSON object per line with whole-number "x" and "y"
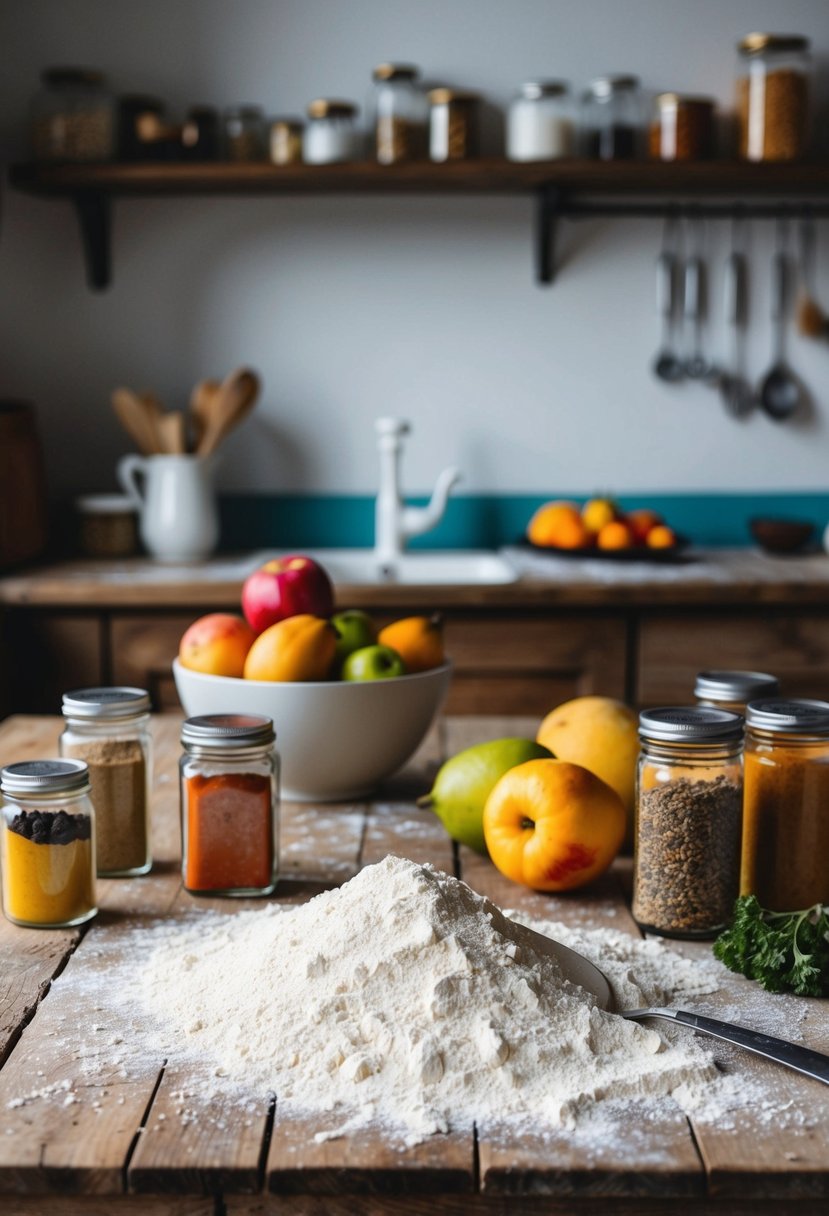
{"x": 394, "y": 522}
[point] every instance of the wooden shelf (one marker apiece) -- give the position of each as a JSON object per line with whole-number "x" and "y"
{"x": 570, "y": 188}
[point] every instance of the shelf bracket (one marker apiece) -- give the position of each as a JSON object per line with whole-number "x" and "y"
{"x": 548, "y": 210}
{"x": 94, "y": 211}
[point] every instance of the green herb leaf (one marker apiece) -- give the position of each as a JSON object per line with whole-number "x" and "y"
{"x": 783, "y": 951}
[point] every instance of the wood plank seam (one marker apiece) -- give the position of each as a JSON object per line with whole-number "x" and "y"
{"x": 43, "y": 992}
{"x": 142, "y": 1127}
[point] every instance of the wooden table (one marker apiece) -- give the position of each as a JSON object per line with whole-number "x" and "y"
{"x": 122, "y": 1149}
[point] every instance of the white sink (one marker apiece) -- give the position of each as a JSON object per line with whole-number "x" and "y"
{"x": 459, "y": 567}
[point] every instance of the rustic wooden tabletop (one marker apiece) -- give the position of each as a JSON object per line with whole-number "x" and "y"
{"x": 123, "y": 1150}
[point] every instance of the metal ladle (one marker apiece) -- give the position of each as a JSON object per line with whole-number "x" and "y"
{"x": 780, "y": 393}
{"x": 579, "y": 970}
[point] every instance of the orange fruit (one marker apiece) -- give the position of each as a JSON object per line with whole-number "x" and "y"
{"x": 661, "y": 537}
{"x": 216, "y": 644}
{"x": 615, "y": 535}
{"x": 552, "y": 825}
{"x": 559, "y": 524}
{"x": 641, "y": 521}
{"x": 417, "y": 639}
{"x": 597, "y": 512}
{"x": 299, "y": 648}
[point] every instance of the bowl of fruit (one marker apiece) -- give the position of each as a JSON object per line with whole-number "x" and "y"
{"x": 600, "y": 528}
{"x": 350, "y": 702}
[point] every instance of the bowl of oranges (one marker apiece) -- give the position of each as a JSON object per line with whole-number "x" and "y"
{"x": 600, "y": 528}
{"x": 350, "y": 701}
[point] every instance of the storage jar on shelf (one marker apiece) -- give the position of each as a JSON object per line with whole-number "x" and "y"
{"x": 773, "y": 79}
{"x": 454, "y": 122}
{"x": 612, "y": 118}
{"x": 682, "y": 128}
{"x": 243, "y": 130}
{"x": 400, "y": 114}
{"x": 540, "y": 122}
{"x": 734, "y": 689}
{"x": 331, "y": 135}
{"x": 73, "y": 117}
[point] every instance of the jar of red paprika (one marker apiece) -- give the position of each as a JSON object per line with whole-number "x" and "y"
{"x": 229, "y": 805}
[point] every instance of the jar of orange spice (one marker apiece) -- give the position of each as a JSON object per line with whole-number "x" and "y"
{"x": 229, "y": 805}
{"x": 786, "y": 804}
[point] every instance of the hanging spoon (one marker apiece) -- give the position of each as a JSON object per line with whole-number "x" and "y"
{"x": 780, "y": 392}
{"x": 696, "y": 366}
{"x": 737, "y": 394}
{"x": 667, "y": 365}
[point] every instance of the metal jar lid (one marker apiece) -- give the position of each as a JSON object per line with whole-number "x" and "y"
{"x": 741, "y": 686}
{"x": 227, "y": 731}
{"x": 45, "y": 777}
{"x": 326, "y": 107}
{"x": 756, "y": 44}
{"x": 444, "y": 96}
{"x": 396, "y": 71}
{"x": 106, "y": 703}
{"x": 796, "y": 717}
{"x": 608, "y": 86}
{"x": 534, "y": 90}
{"x": 689, "y": 724}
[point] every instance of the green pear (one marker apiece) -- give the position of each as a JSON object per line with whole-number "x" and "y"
{"x": 463, "y": 785}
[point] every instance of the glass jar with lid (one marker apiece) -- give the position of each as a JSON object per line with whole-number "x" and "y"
{"x": 540, "y": 122}
{"x": 689, "y": 792}
{"x": 229, "y": 774}
{"x": 773, "y": 78}
{"x": 786, "y": 812}
{"x": 109, "y": 728}
{"x": 285, "y": 143}
{"x": 73, "y": 117}
{"x": 454, "y": 126}
{"x": 734, "y": 689}
{"x": 243, "y": 133}
{"x": 682, "y": 128}
{"x": 612, "y": 118}
{"x": 331, "y": 135}
{"x": 400, "y": 114}
{"x": 47, "y": 843}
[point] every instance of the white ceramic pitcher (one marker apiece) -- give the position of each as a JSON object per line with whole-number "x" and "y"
{"x": 178, "y": 518}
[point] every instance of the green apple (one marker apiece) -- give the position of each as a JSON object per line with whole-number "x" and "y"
{"x": 373, "y": 663}
{"x": 464, "y": 783}
{"x": 355, "y": 630}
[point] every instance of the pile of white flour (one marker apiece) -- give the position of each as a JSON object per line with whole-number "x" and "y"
{"x": 403, "y": 999}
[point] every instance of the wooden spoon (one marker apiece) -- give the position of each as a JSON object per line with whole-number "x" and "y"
{"x": 201, "y": 406}
{"x": 232, "y": 402}
{"x": 172, "y": 432}
{"x": 137, "y": 420}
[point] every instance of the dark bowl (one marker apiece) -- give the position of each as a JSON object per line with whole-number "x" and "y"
{"x": 781, "y": 535}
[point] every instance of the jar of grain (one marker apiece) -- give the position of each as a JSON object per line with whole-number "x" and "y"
{"x": 453, "y": 124}
{"x": 243, "y": 131}
{"x": 734, "y": 689}
{"x": 682, "y": 128}
{"x": 47, "y": 844}
{"x": 612, "y": 118}
{"x": 689, "y": 792}
{"x": 773, "y": 96}
{"x": 786, "y": 813}
{"x": 109, "y": 728}
{"x": 331, "y": 135}
{"x": 540, "y": 122}
{"x": 73, "y": 117}
{"x": 400, "y": 114}
{"x": 229, "y": 775}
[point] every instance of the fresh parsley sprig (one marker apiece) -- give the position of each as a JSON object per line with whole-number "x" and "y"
{"x": 783, "y": 951}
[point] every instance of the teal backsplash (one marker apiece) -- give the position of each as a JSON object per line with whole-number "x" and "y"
{"x": 489, "y": 520}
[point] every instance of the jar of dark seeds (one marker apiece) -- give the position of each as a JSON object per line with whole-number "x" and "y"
{"x": 689, "y": 798}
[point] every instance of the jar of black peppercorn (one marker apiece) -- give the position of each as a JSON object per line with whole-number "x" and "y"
{"x": 612, "y": 118}
{"x": 689, "y": 797}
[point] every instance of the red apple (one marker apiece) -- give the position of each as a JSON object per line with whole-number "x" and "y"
{"x": 283, "y": 587}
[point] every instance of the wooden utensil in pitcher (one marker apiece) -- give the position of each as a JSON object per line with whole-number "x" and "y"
{"x": 226, "y": 408}
{"x": 137, "y": 417}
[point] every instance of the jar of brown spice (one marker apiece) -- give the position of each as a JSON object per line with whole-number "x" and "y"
{"x": 785, "y": 860}
{"x": 773, "y": 96}
{"x": 109, "y": 728}
{"x": 682, "y": 128}
{"x": 688, "y": 813}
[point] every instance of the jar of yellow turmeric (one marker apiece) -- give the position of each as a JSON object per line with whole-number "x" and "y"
{"x": 786, "y": 807}
{"x": 47, "y": 843}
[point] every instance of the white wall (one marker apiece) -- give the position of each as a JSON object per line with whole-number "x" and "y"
{"x": 352, "y": 307}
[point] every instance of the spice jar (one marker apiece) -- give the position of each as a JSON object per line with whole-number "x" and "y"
{"x": 243, "y": 129}
{"x": 689, "y": 792}
{"x": 200, "y": 134}
{"x": 73, "y": 116}
{"x": 682, "y": 128}
{"x": 786, "y": 812}
{"x": 453, "y": 124}
{"x": 773, "y": 96}
{"x": 734, "y": 689}
{"x": 47, "y": 843}
{"x": 132, "y": 107}
{"x": 109, "y": 728}
{"x": 107, "y": 525}
{"x": 400, "y": 114}
{"x": 331, "y": 134}
{"x": 540, "y": 122}
{"x": 285, "y": 143}
{"x": 612, "y": 118}
{"x": 229, "y": 805}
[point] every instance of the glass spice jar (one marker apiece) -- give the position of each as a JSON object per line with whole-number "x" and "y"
{"x": 285, "y": 143}
{"x": 734, "y": 689}
{"x": 200, "y": 135}
{"x": 454, "y": 127}
{"x": 682, "y": 128}
{"x": 612, "y": 118}
{"x": 229, "y": 775}
{"x": 400, "y": 114}
{"x": 47, "y": 843}
{"x": 773, "y": 77}
{"x": 331, "y": 135}
{"x": 689, "y": 791}
{"x": 73, "y": 117}
{"x": 540, "y": 122}
{"x": 109, "y": 728}
{"x": 243, "y": 129}
{"x": 786, "y": 812}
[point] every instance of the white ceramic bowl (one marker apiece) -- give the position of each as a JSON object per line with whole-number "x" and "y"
{"x": 337, "y": 739}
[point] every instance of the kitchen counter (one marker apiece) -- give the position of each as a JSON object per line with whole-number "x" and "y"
{"x": 714, "y": 576}
{"x": 94, "y": 1139}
